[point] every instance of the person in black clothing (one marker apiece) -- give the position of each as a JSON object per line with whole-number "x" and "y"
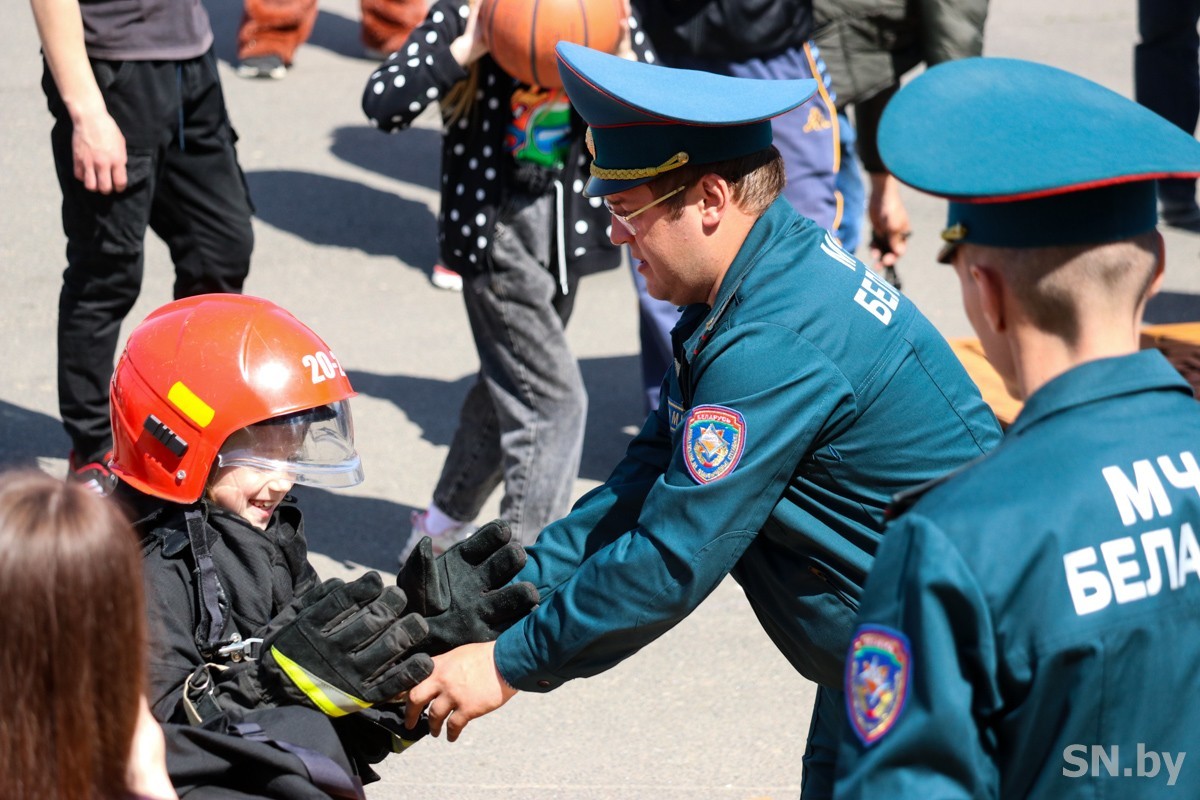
{"x": 141, "y": 139}
{"x": 221, "y": 403}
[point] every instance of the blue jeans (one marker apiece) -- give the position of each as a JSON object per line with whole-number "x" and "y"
{"x": 1167, "y": 77}
{"x": 523, "y": 420}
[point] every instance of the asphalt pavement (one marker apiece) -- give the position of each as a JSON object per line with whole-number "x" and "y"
{"x": 345, "y": 233}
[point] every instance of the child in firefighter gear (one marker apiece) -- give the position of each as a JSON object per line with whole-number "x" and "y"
{"x": 221, "y": 403}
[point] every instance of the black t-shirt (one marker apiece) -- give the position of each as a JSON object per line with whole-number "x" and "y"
{"x": 725, "y": 29}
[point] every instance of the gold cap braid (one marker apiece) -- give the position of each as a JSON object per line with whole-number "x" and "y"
{"x": 674, "y": 162}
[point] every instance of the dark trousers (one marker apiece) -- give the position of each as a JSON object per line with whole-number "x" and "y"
{"x": 1167, "y": 75}
{"x": 184, "y": 184}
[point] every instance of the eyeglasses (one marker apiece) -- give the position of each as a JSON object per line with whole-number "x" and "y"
{"x": 626, "y": 219}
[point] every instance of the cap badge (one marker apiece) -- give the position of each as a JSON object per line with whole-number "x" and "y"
{"x": 955, "y": 233}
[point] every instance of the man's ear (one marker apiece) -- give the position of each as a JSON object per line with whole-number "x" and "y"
{"x": 716, "y": 197}
{"x": 992, "y": 296}
{"x": 1160, "y": 268}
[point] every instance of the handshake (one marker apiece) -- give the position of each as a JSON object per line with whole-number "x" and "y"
{"x": 343, "y": 647}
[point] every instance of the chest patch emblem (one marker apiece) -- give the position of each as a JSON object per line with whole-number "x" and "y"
{"x": 713, "y": 440}
{"x": 877, "y": 677}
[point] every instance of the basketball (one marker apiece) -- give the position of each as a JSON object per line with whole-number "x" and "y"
{"x": 521, "y": 34}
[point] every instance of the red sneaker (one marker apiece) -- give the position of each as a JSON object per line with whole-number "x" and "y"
{"x": 95, "y": 475}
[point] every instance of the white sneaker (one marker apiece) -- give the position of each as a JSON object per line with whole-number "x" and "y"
{"x": 446, "y": 278}
{"x": 441, "y": 542}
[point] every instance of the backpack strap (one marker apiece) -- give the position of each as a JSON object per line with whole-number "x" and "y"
{"x": 210, "y": 627}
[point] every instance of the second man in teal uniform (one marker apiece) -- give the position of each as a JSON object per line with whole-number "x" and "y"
{"x": 1032, "y": 625}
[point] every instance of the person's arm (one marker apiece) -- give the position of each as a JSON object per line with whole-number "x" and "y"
{"x": 689, "y": 535}
{"x": 146, "y": 770}
{"x": 97, "y": 144}
{"x": 919, "y": 733}
{"x": 604, "y": 513}
{"x": 436, "y": 56}
{"x": 890, "y": 227}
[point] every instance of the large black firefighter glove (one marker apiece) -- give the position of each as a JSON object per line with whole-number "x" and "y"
{"x": 350, "y": 645}
{"x": 463, "y": 593}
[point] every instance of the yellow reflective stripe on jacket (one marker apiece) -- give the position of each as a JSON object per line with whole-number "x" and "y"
{"x": 327, "y": 697}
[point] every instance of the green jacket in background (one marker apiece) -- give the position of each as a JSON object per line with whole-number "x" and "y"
{"x": 868, "y": 46}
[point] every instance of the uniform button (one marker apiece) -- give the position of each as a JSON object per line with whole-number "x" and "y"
{"x": 543, "y": 684}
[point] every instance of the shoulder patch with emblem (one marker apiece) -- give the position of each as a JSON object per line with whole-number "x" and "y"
{"x": 713, "y": 441}
{"x": 878, "y": 670}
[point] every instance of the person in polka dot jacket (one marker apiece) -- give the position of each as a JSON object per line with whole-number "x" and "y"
{"x": 515, "y": 224}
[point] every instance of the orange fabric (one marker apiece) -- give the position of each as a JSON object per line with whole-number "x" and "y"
{"x": 278, "y": 27}
{"x": 991, "y": 385}
{"x": 1179, "y": 342}
{"x": 387, "y": 23}
{"x": 275, "y": 27}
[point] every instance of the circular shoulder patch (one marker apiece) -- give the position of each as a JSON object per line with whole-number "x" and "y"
{"x": 713, "y": 440}
{"x": 877, "y": 675}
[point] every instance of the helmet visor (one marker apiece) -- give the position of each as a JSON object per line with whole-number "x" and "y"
{"x": 314, "y": 447}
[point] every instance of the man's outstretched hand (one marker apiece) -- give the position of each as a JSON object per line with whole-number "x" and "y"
{"x": 465, "y": 685}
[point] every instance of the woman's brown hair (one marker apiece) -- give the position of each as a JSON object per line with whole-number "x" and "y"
{"x": 72, "y": 640}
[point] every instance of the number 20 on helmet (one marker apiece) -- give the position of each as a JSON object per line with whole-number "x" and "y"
{"x": 224, "y": 380}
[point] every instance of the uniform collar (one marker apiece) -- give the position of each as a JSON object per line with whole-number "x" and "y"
{"x": 1103, "y": 379}
{"x": 778, "y": 216}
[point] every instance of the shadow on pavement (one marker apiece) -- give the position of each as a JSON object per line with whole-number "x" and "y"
{"x": 430, "y": 404}
{"x": 25, "y": 435}
{"x": 412, "y": 156}
{"x": 433, "y": 405}
{"x": 353, "y": 529}
{"x": 334, "y": 211}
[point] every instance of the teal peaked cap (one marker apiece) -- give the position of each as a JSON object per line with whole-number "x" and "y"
{"x": 645, "y": 119}
{"x": 1030, "y": 155}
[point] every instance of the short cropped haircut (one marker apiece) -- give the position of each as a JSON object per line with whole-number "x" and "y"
{"x": 73, "y": 627}
{"x": 1053, "y": 283}
{"x": 756, "y": 179}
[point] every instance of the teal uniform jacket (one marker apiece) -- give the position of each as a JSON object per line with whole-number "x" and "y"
{"x": 806, "y": 397}
{"x": 1034, "y": 621}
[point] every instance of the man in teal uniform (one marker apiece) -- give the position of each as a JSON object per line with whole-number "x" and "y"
{"x": 1031, "y": 627}
{"x": 806, "y": 391}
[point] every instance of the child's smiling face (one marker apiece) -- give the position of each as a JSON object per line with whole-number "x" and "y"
{"x": 250, "y": 493}
{"x": 253, "y": 492}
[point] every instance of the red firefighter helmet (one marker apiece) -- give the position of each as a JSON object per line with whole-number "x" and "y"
{"x": 200, "y": 370}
